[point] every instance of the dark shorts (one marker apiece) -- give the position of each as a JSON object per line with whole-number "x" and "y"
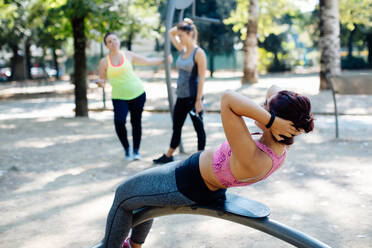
{"x": 191, "y": 184}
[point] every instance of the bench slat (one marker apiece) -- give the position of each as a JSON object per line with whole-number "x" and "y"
{"x": 240, "y": 206}
{"x": 360, "y": 84}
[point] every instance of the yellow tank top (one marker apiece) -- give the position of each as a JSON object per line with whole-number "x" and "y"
{"x": 126, "y": 85}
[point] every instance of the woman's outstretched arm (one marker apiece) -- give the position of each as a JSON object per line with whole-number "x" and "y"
{"x": 142, "y": 60}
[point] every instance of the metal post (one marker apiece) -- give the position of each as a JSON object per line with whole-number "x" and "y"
{"x": 330, "y": 82}
{"x": 180, "y": 16}
{"x": 168, "y": 26}
{"x": 104, "y": 97}
{"x": 103, "y": 88}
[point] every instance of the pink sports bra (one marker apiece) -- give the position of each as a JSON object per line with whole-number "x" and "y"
{"x": 221, "y": 164}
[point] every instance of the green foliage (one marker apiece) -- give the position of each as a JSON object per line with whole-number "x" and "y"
{"x": 100, "y": 16}
{"x": 298, "y": 31}
{"x": 276, "y": 45}
{"x": 270, "y": 11}
{"x": 139, "y": 18}
{"x": 215, "y": 38}
{"x": 355, "y": 12}
{"x": 273, "y": 43}
{"x": 358, "y": 37}
{"x": 356, "y": 25}
{"x": 352, "y": 63}
{"x": 13, "y": 22}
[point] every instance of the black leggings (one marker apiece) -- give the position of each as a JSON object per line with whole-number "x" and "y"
{"x": 135, "y": 107}
{"x": 181, "y": 109}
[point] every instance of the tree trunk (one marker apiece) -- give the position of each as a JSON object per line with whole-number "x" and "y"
{"x": 13, "y": 62}
{"x": 276, "y": 62}
{"x": 28, "y": 59}
{"x": 55, "y": 62}
{"x": 211, "y": 63}
{"x": 80, "y": 67}
{"x": 129, "y": 44}
{"x": 250, "y": 72}
{"x": 369, "y": 44}
{"x": 17, "y": 66}
{"x": 130, "y": 39}
{"x": 350, "y": 42}
{"x": 101, "y": 51}
{"x": 329, "y": 40}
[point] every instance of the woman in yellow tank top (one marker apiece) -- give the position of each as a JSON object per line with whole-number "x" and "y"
{"x": 128, "y": 94}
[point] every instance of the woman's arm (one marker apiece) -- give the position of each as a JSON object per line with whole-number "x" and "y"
{"x": 201, "y": 62}
{"x": 233, "y": 107}
{"x": 102, "y": 69}
{"x": 172, "y": 35}
{"x": 142, "y": 60}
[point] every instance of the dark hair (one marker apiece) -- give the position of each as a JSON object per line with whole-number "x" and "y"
{"x": 185, "y": 27}
{"x": 106, "y": 35}
{"x": 188, "y": 26}
{"x": 294, "y": 107}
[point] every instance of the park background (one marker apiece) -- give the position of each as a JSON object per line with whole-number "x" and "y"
{"x": 42, "y": 38}
{"x": 58, "y": 172}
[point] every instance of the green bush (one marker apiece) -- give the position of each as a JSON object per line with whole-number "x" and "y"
{"x": 352, "y": 63}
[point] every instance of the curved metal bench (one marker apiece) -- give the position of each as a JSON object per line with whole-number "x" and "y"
{"x": 239, "y": 210}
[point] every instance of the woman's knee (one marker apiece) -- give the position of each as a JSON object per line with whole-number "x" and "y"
{"x": 120, "y": 121}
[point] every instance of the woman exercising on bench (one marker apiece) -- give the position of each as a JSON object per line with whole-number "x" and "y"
{"x": 204, "y": 176}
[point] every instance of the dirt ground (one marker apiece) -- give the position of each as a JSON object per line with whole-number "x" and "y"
{"x": 58, "y": 175}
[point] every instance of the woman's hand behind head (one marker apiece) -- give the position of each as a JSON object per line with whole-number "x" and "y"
{"x": 293, "y": 107}
{"x": 284, "y": 128}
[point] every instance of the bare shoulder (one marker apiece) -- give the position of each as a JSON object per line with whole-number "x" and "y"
{"x": 200, "y": 52}
{"x": 200, "y": 55}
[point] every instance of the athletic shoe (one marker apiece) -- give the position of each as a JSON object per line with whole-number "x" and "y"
{"x": 137, "y": 156}
{"x": 126, "y": 243}
{"x": 163, "y": 159}
{"x": 128, "y": 157}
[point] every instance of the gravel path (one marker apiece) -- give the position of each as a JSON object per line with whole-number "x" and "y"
{"x": 58, "y": 175}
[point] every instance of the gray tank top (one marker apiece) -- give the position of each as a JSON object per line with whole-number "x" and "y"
{"x": 187, "y": 82}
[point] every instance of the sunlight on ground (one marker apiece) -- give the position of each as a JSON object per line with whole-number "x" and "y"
{"x": 35, "y": 88}
{"x": 45, "y": 178}
{"x": 65, "y": 139}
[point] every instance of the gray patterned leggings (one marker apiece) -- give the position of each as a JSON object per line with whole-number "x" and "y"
{"x": 152, "y": 187}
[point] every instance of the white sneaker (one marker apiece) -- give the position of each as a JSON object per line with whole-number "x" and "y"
{"x": 128, "y": 157}
{"x": 137, "y": 156}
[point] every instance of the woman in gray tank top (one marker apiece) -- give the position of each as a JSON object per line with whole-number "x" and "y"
{"x": 191, "y": 64}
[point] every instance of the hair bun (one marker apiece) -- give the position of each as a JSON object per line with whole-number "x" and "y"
{"x": 188, "y": 21}
{"x": 308, "y": 123}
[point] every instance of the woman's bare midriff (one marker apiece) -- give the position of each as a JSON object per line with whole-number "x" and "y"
{"x": 206, "y": 170}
